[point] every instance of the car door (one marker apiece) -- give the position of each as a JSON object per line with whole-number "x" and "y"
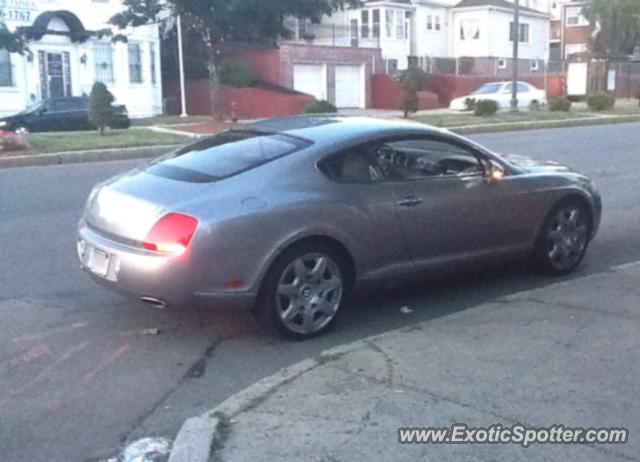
{"x": 447, "y": 207}
{"x": 362, "y": 189}
{"x": 45, "y": 118}
{"x": 78, "y": 114}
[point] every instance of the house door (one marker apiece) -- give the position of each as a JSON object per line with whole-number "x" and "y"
{"x": 55, "y": 74}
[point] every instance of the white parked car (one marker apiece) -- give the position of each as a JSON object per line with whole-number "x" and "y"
{"x": 529, "y": 97}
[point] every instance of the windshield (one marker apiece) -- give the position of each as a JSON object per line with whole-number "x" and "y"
{"x": 226, "y": 154}
{"x": 488, "y": 89}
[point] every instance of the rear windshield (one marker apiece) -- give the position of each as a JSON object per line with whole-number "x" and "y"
{"x": 226, "y": 154}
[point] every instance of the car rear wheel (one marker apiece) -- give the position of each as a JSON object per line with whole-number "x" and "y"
{"x": 564, "y": 239}
{"x": 534, "y": 106}
{"x": 304, "y": 291}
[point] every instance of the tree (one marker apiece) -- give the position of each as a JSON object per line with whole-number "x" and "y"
{"x": 100, "y": 110}
{"x": 412, "y": 81}
{"x": 14, "y": 42}
{"x": 616, "y": 26}
{"x": 219, "y": 20}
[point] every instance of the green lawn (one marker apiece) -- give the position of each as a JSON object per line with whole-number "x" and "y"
{"x": 170, "y": 120}
{"x": 81, "y": 141}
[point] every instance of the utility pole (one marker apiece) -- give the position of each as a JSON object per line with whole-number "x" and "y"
{"x": 183, "y": 96}
{"x": 516, "y": 44}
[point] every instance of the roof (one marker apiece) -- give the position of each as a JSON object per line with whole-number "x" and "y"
{"x": 324, "y": 129}
{"x": 496, "y": 3}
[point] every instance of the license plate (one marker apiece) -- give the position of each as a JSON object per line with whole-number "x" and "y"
{"x": 98, "y": 262}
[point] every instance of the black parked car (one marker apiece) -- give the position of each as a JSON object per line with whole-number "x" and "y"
{"x": 60, "y": 114}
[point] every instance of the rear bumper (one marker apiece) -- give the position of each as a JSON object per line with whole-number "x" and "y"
{"x": 139, "y": 273}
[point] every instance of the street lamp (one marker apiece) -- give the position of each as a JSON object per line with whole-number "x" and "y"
{"x": 183, "y": 96}
{"x": 516, "y": 43}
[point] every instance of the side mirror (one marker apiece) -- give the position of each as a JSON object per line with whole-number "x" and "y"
{"x": 43, "y": 110}
{"x": 496, "y": 174}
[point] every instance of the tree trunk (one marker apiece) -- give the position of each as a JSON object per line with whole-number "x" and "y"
{"x": 214, "y": 84}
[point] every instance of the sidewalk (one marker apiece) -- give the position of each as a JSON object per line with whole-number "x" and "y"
{"x": 565, "y": 354}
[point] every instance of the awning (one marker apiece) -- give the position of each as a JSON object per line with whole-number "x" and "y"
{"x": 40, "y": 27}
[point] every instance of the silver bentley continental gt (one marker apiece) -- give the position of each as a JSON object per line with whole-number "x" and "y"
{"x": 290, "y": 215}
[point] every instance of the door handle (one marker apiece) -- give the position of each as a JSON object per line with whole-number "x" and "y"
{"x": 410, "y": 201}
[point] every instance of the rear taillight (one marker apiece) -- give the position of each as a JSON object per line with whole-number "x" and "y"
{"x": 172, "y": 234}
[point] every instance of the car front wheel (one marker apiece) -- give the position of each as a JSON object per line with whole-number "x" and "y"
{"x": 564, "y": 239}
{"x": 304, "y": 291}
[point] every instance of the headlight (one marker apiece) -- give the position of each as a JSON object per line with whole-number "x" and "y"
{"x": 3, "y": 123}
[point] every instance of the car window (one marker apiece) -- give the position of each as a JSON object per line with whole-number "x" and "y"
{"x": 226, "y": 154}
{"x": 488, "y": 89}
{"x": 421, "y": 158}
{"x": 523, "y": 88}
{"x": 355, "y": 165}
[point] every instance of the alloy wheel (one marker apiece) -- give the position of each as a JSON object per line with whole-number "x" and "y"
{"x": 309, "y": 293}
{"x": 567, "y": 238}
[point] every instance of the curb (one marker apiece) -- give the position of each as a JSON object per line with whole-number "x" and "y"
{"x": 198, "y": 436}
{"x": 76, "y": 157}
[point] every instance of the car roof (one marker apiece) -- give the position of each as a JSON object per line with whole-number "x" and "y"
{"x": 326, "y": 129}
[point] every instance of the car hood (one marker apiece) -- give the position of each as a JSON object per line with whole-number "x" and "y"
{"x": 535, "y": 166}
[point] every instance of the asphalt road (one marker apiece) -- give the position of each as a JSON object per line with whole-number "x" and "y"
{"x": 79, "y": 376}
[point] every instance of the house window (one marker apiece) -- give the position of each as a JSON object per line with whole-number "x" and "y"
{"x": 6, "y": 77}
{"x": 365, "y": 23}
{"x": 469, "y": 29}
{"x": 433, "y": 22}
{"x": 523, "y": 34}
{"x": 375, "y": 28}
{"x": 575, "y": 17}
{"x": 392, "y": 66}
{"x": 502, "y": 64}
{"x": 135, "y": 63}
{"x": 103, "y": 59}
{"x": 575, "y": 49}
{"x": 152, "y": 58}
{"x": 395, "y": 24}
{"x": 535, "y": 66}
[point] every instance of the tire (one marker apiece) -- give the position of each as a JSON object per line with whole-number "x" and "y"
{"x": 304, "y": 290}
{"x": 564, "y": 238}
{"x": 534, "y": 106}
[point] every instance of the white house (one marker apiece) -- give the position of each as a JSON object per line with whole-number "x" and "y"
{"x": 65, "y": 57}
{"x": 418, "y": 31}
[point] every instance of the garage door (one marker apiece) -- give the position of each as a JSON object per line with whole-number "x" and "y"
{"x": 577, "y": 75}
{"x": 309, "y": 79}
{"x": 349, "y": 87}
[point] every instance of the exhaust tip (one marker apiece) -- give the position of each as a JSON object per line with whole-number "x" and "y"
{"x": 154, "y": 302}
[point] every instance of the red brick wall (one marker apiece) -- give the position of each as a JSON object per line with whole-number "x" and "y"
{"x": 257, "y": 103}
{"x": 387, "y": 94}
{"x": 266, "y": 63}
{"x": 250, "y": 103}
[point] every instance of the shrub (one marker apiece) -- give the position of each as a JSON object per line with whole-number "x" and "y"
{"x": 560, "y": 104}
{"x": 485, "y": 108}
{"x": 601, "y": 101}
{"x": 10, "y": 141}
{"x": 100, "y": 110}
{"x": 320, "y": 107}
{"x": 236, "y": 73}
{"x": 638, "y": 93}
{"x": 470, "y": 104}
